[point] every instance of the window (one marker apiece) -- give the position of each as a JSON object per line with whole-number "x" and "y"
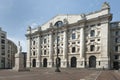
{"x": 116, "y": 56}
{"x": 44, "y": 41}
{"x": 3, "y": 47}
{"x": 58, "y": 51}
{"x": 59, "y": 24}
{"x": 2, "y": 35}
{"x": 73, "y": 49}
{"x": 116, "y": 33}
{"x": 99, "y": 63}
{"x": 92, "y": 48}
{"x": 44, "y": 52}
{"x": 116, "y": 40}
{"x": 33, "y": 52}
{"x": 92, "y": 33}
{"x": 33, "y": 42}
{"x": 3, "y": 41}
{"x": 58, "y": 38}
{"x": 116, "y": 48}
{"x": 98, "y": 39}
{"x": 99, "y": 24}
{"x": 73, "y": 36}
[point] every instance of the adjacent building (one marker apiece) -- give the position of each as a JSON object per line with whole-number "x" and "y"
{"x": 7, "y": 51}
{"x": 81, "y": 41}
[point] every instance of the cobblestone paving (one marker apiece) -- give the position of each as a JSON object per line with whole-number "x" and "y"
{"x": 65, "y": 74}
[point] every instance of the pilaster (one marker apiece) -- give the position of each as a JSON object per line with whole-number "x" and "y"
{"x": 81, "y": 60}
{"x": 65, "y": 50}
{"x": 29, "y": 51}
{"x": 39, "y": 52}
{"x": 50, "y": 60}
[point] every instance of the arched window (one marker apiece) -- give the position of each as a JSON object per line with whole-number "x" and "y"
{"x": 59, "y": 24}
{"x": 92, "y": 33}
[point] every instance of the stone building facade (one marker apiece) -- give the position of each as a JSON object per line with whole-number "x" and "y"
{"x": 7, "y": 51}
{"x": 81, "y": 41}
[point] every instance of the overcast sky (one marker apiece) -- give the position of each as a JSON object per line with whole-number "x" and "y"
{"x": 16, "y": 15}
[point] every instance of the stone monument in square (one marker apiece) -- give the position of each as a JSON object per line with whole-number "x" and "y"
{"x": 19, "y": 59}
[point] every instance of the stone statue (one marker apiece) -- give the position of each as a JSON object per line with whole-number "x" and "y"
{"x": 19, "y": 47}
{"x": 65, "y": 21}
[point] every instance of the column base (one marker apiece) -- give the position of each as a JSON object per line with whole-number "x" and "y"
{"x": 105, "y": 63}
{"x": 64, "y": 63}
{"x": 81, "y": 63}
{"x": 50, "y": 63}
{"x": 28, "y": 64}
{"x": 38, "y": 64}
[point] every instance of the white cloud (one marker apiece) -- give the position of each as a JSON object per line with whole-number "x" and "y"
{"x": 22, "y": 42}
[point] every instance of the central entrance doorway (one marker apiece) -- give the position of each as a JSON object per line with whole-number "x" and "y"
{"x": 92, "y": 62}
{"x": 73, "y": 62}
{"x": 34, "y": 63}
{"x": 45, "y": 62}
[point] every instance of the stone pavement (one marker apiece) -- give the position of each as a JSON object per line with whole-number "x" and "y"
{"x": 50, "y": 74}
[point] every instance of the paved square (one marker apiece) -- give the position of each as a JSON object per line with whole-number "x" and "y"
{"x": 65, "y": 74}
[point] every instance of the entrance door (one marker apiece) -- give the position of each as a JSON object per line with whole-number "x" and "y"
{"x": 92, "y": 62}
{"x": 45, "y": 62}
{"x": 58, "y": 62}
{"x": 73, "y": 62}
{"x": 116, "y": 65}
{"x": 34, "y": 63}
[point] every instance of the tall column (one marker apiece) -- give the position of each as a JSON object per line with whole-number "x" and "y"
{"x": 81, "y": 60}
{"x": 50, "y": 61}
{"x": 39, "y": 52}
{"x": 65, "y": 49}
{"x": 65, "y": 44}
{"x": 82, "y": 43}
{"x": 28, "y": 51}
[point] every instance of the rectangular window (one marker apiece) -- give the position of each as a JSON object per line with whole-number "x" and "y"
{"x": 44, "y": 41}
{"x": 116, "y": 48}
{"x": 73, "y": 49}
{"x": 92, "y": 48}
{"x": 58, "y": 38}
{"x": 3, "y": 41}
{"x": 73, "y": 36}
{"x": 117, "y": 33}
{"x": 116, "y": 56}
{"x": 44, "y": 52}
{"x": 99, "y": 63}
{"x": 116, "y": 40}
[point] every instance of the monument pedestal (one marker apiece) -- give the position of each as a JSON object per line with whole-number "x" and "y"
{"x": 19, "y": 60}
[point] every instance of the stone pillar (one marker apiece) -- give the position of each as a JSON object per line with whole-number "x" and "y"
{"x": 38, "y": 64}
{"x": 50, "y": 60}
{"x": 81, "y": 61}
{"x": 65, "y": 50}
{"x": 28, "y": 51}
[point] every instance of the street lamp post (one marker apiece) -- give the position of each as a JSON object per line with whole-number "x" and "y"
{"x": 57, "y": 59}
